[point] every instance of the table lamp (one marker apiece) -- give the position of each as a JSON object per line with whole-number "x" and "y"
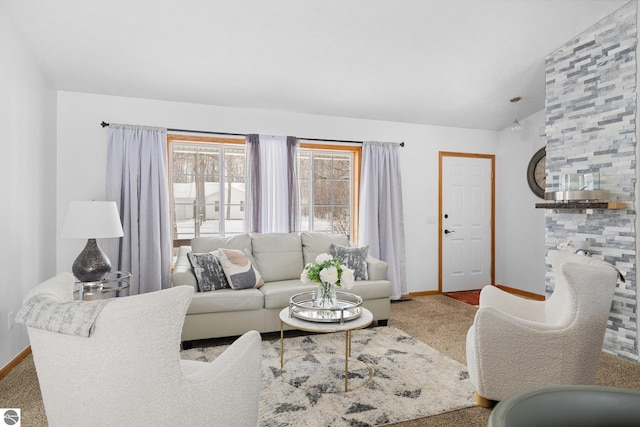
{"x": 92, "y": 220}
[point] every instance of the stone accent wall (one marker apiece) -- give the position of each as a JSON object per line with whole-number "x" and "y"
{"x": 591, "y": 127}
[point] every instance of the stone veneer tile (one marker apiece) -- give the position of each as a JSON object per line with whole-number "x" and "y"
{"x": 590, "y": 127}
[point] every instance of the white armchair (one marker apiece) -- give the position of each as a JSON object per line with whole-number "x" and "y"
{"x": 517, "y": 344}
{"x": 128, "y": 371}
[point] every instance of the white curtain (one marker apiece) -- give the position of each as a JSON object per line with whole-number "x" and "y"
{"x": 381, "y": 216}
{"x": 272, "y": 184}
{"x": 137, "y": 181}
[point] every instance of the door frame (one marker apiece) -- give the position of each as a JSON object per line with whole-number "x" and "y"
{"x": 491, "y": 157}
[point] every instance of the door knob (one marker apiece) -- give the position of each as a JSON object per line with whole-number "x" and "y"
{"x": 447, "y": 231}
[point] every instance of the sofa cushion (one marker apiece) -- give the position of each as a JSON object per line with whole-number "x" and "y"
{"x": 314, "y": 244}
{"x": 241, "y": 274}
{"x": 353, "y": 258}
{"x": 278, "y": 256}
{"x": 226, "y": 300}
{"x": 277, "y": 294}
{"x": 208, "y": 244}
{"x": 208, "y": 271}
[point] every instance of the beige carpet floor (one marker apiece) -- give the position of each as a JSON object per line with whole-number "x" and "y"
{"x": 439, "y": 321}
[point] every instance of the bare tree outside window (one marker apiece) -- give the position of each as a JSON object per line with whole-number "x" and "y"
{"x": 326, "y": 195}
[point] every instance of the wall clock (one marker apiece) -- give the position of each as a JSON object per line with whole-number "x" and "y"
{"x": 536, "y": 172}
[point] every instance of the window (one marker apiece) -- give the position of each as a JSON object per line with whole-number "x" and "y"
{"x": 207, "y": 178}
{"x": 328, "y": 179}
{"x": 207, "y": 187}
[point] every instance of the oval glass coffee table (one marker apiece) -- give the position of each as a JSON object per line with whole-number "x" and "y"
{"x": 360, "y": 322}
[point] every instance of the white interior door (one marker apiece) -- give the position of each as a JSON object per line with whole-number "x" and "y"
{"x": 466, "y": 222}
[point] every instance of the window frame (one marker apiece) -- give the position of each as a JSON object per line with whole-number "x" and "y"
{"x": 194, "y": 140}
{"x": 355, "y": 150}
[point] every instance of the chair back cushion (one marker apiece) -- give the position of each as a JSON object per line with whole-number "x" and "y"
{"x": 592, "y": 286}
{"x": 560, "y": 307}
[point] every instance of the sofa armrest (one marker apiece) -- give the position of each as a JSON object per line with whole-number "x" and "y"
{"x": 182, "y": 271}
{"x": 376, "y": 268}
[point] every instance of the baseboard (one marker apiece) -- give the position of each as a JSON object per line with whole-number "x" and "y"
{"x": 514, "y": 291}
{"x": 423, "y": 293}
{"x": 14, "y": 362}
{"x": 522, "y": 293}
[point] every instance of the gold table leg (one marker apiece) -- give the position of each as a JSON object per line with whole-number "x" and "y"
{"x": 347, "y": 354}
{"x": 281, "y": 346}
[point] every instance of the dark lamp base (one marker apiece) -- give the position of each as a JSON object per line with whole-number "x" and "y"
{"x": 92, "y": 265}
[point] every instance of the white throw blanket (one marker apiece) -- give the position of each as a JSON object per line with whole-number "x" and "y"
{"x": 71, "y": 318}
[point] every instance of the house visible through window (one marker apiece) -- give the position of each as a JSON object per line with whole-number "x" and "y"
{"x": 207, "y": 187}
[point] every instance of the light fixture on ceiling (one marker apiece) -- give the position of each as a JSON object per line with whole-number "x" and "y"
{"x": 516, "y": 127}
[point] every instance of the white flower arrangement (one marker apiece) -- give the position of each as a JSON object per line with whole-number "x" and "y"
{"x": 328, "y": 270}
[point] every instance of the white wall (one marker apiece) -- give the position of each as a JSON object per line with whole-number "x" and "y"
{"x": 420, "y": 192}
{"x": 82, "y": 156}
{"x": 44, "y": 187}
{"x": 520, "y": 227}
{"x": 27, "y": 215}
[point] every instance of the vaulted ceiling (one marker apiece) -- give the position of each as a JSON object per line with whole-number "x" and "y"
{"x": 439, "y": 62}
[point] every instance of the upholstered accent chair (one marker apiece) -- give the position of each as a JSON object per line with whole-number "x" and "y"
{"x": 516, "y": 344}
{"x": 128, "y": 371}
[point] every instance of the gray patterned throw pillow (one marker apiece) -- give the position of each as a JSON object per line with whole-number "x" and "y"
{"x": 353, "y": 258}
{"x": 208, "y": 271}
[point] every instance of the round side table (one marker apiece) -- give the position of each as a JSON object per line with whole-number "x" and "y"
{"x": 111, "y": 286}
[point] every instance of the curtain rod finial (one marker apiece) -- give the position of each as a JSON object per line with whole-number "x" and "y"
{"x": 402, "y": 144}
{"x": 104, "y": 124}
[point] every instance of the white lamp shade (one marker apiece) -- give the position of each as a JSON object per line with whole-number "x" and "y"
{"x": 92, "y": 220}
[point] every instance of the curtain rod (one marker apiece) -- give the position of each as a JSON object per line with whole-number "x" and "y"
{"x": 344, "y": 141}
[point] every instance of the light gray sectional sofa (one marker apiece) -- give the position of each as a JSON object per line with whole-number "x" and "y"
{"x": 280, "y": 259}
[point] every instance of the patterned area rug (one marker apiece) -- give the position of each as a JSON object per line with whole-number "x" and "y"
{"x": 408, "y": 380}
